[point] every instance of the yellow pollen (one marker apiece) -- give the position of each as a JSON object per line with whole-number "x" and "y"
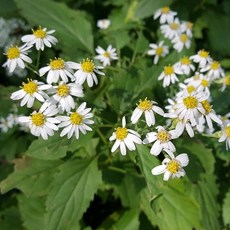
{"x": 183, "y": 38}
{"x": 168, "y": 70}
{"x": 63, "y": 90}
{"x": 38, "y": 119}
{"x": 106, "y": 54}
{"x": 165, "y": 10}
{"x": 173, "y": 166}
{"x": 13, "y": 52}
{"x": 185, "y": 61}
{"x": 203, "y": 53}
{"x": 227, "y": 131}
{"x": 204, "y": 83}
{"x": 159, "y": 51}
{"x": 30, "y": 87}
{"x": 163, "y": 136}
{"x": 190, "y": 102}
{"x": 76, "y": 118}
{"x": 215, "y": 65}
{"x": 57, "y": 64}
{"x": 174, "y": 26}
{"x": 227, "y": 80}
{"x": 206, "y": 106}
{"x": 121, "y": 133}
{"x": 190, "y": 88}
{"x": 88, "y": 66}
{"x": 145, "y": 105}
{"x": 39, "y": 33}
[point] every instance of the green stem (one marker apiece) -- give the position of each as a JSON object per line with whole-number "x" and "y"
{"x": 38, "y": 59}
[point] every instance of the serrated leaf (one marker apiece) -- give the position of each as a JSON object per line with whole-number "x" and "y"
{"x": 72, "y": 190}
{"x": 226, "y": 209}
{"x": 53, "y": 148}
{"x": 32, "y": 176}
{"x": 72, "y": 28}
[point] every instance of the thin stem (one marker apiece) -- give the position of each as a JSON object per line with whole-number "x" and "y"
{"x": 38, "y": 59}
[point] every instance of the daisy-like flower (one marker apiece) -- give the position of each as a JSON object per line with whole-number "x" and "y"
{"x": 194, "y": 80}
{"x": 41, "y": 38}
{"x": 124, "y": 138}
{"x": 30, "y": 91}
{"x": 7, "y": 123}
{"x": 16, "y": 56}
{"x": 169, "y": 75}
{"x": 165, "y": 15}
{"x": 57, "y": 68}
{"x": 173, "y": 167}
{"x": 63, "y": 95}
{"x": 180, "y": 41}
{"x": 162, "y": 140}
{"x": 202, "y": 58}
{"x": 42, "y": 123}
{"x": 203, "y": 84}
{"x": 76, "y": 122}
{"x": 225, "y": 81}
{"x": 105, "y": 56}
{"x": 158, "y": 51}
{"x": 171, "y": 30}
{"x": 186, "y": 27}
{"x": 185, "y": 65}
{"x": 103, "y": 23}
{"x": 225, "y": 135}
{"x": 148, "y": 108}
{"x": 189, "y": 106}
{"x": 214, "y": 70}
{"x": 189, "y": 88}
{"x": 87, "y": 70}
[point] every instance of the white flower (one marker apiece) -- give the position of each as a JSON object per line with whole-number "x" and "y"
{"x": 225, "y": 135}
{"x": 42, "y": 123}
{"x": 169, "y": 75}
{"x": 194, "y": 80}
{"x": 186, "y": 27}
{"x": 40, "y": 38}
{"x": 172, "y": 167}
{"x": 181, "y": 126}
{"x": 31, "y": 90}
{"x": 76, "y": 122}
{"x": 148, "y": 108}
{"x": 203, "y": 84}
{"x": 103, "y": 23}
{"x": 86, "y": 70}
{"x": 185, "y": 65}
{"x": 158, "y": 51}
{"x": 16, "y": 56}
{"x": 189, "y": 88}
{"x": 7, "y": 123}
{"x": 57, "y": 68}
{"x": 162, "y": 140}
{"x": 171, "y": 30}
{"x": 63, "y": 95}
{"x": 202, "y": 58}
{"x": 180, "y": 41}
{"x": 105, "y": 56}
{"x": 124, "y": 138}
{"x": 165, "y": 14}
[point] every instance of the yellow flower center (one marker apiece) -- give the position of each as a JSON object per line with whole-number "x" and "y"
{"x": 227, "y": 80}
{"x": 30, "y": 87}
{"x": 173, "y": 166}
{"x": 165, "y": 10}
{"x": 183, "y": 38}
{"x": 39, "y": 33}
{"x": 145, "y": 105}
{"x": 76, "y": 118}
{"x": 215, "y": 65}
{"x": 190, "y": 102}
{"x": 163, "y": 136}
{"x": 206, "y": 106}
{"x": 227, "y": 131}
{"x": 190, "y": 88}
{"x": 88, "y": 66}
{"x": 189, "y": 25}
{"x": 168, "y": 70}
{"x": 13, "y": 52}
{"x": 174, "y": 26}
{"x": 57, "y": 64}
{"x": 203, "y": 53}
{"x": 38, "y": 119}
{"x": 185, "y": 61}
{"x": 121, "y": 133}
{"x": 63, "y": 90}
{"x": 204, "y": 83}
{"x": 106, "y": 54}
{"x": 159, "y": 51}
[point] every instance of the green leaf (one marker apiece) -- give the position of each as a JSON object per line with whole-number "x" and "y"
{"x": 32, "y": 176}
{"x": 8, "y": 8}
{"x": 72, "y": 28}
{"x": 32, "y": 210}
{"x": 226, "y": 209}
{"x": 72, "y": 190}
{"x": 53, "y": 148}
